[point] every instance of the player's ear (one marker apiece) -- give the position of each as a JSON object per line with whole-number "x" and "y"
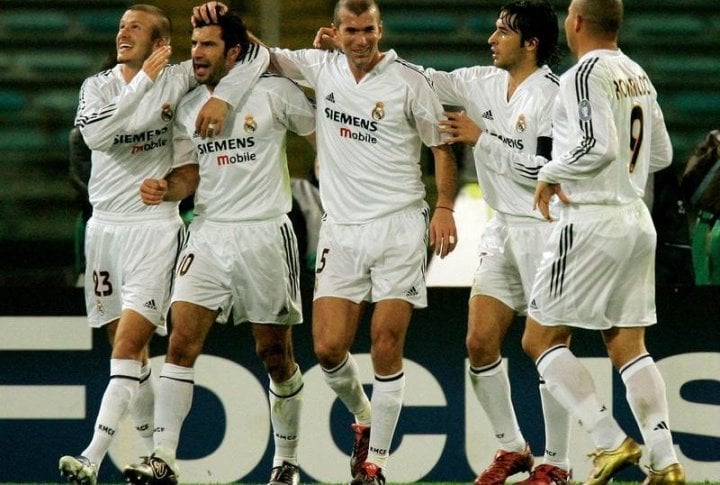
{"x": 161, "y": 42}
{"x": 234, "y": 53}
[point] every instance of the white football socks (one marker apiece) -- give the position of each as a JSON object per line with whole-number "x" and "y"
{"x": 492, "y": 389}
{"x": 387, "y": 399}
{"x": 646, "y": 395}
{"x": 124, "y": 378}
{"x": 172, "y": 405}
{"x": 285, "y": 406}
{"x": 345, "y": 381}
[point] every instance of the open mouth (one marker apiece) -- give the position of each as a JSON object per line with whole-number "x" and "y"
{"x": 201, "y": 69}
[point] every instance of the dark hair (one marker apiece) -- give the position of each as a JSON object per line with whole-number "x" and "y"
{"x": 534, "y": 19}
{"x": 233, "y": 31}
{"x": 357, "y": 7}
{"x": 163, "y": 27}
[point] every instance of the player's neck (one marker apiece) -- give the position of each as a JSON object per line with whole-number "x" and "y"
{"x": 359, "y": 72}
{"x": 129, "y": 72}
{"x": 517, "y": 75}
{"x": 593, "y": 44}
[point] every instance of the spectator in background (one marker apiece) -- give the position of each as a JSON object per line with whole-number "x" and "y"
{"x": 597, "y": 270}
{"x": 673, "y": 255}
{"x": 700, "y": 188}
{"x": 125, "y": 117}
{"x": 507, "y": 122}
{"x": 307, "y": 214}
{"x": 79, "y": 174}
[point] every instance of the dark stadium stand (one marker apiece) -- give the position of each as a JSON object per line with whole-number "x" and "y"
{"x": 677, "y": 43}
{"x": 52, "y": 45}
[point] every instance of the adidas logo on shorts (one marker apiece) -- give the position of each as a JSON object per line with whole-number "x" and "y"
{"x": 150, "y": 304}
{"x": 488, "y": 115}
{"x": 411, "y": 292}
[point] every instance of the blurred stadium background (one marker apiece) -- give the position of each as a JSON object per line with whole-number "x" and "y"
{"x": 50, "y": 46}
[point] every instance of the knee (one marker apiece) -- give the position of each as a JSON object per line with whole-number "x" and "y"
{"x": 183, "y": 351}
{"x": 531, "y": 346}
{"x": 328, "y": 355}
{"x": 278, "y": 360}
{"x": 129, "y": 347}
{"x": 481, "y": 351}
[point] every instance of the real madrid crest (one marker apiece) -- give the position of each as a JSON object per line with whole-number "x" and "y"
{"x": 167, "y": 113}
{"x": 250, "y": 124}
{"x": 378, "y": 111}
{"x": 520, "y": 124}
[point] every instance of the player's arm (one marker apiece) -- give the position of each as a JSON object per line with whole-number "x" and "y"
{"x": 661, "y": 151}
{"x": 443, "y": 233}
{"x": 178, "y": 184}
{"x": 425, "y": 111}
{"x": 449, "y": 86}
{"x": 100, "y": 118}
{"x": 184, "y": 177}
{"x": 520, "y": 165}
{"x": 489, "y": 151}
{"x": 591, "y": 114}
{"x": 232, "y": 89}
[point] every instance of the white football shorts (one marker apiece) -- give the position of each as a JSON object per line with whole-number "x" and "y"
{"x": 130, "y": 265}
{"x": 378, "y": 260}
{"x": 598, "y": 270}
{"x": 510, "y": 250}
{"x": 249, "y": 268}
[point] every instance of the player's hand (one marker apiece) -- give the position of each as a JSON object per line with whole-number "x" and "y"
{"x": 156, "y": 61}
{"x": 325, "y": 39}
{"x": 209, "y": 121}
{"x": 208, "y": 13}
{"x": 443, "y": 233}
{"x": 152, "y": 191}
{"x": 543, "y": 195}
{"x": 459, "y": 128}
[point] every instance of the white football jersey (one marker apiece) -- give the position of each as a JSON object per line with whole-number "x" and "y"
{"x": 369, "y": 133}
{"x": 243, "y": 170}
{"x": 609, "y": 131}
{"x": 128, "y": 127}
{"x": 517, "y": 133}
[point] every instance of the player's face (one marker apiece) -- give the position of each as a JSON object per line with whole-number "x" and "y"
{"x": 210, "y": 63}
{"x": 505, "y": 45}
{"x": 360, "y": 37}
{"x": 134, "y": 40}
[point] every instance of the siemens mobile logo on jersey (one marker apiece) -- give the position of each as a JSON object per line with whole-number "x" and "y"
{"x": 214, "y": 146}
{"x": 346, "y": 119}
{"x": 632, "y": 87}
{"x": 355, "y": 121}
{"x": 143, "y": 141}
{"x": 511, "y": 142}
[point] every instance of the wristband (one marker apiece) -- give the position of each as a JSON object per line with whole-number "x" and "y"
{"x": 444, "y": 207}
